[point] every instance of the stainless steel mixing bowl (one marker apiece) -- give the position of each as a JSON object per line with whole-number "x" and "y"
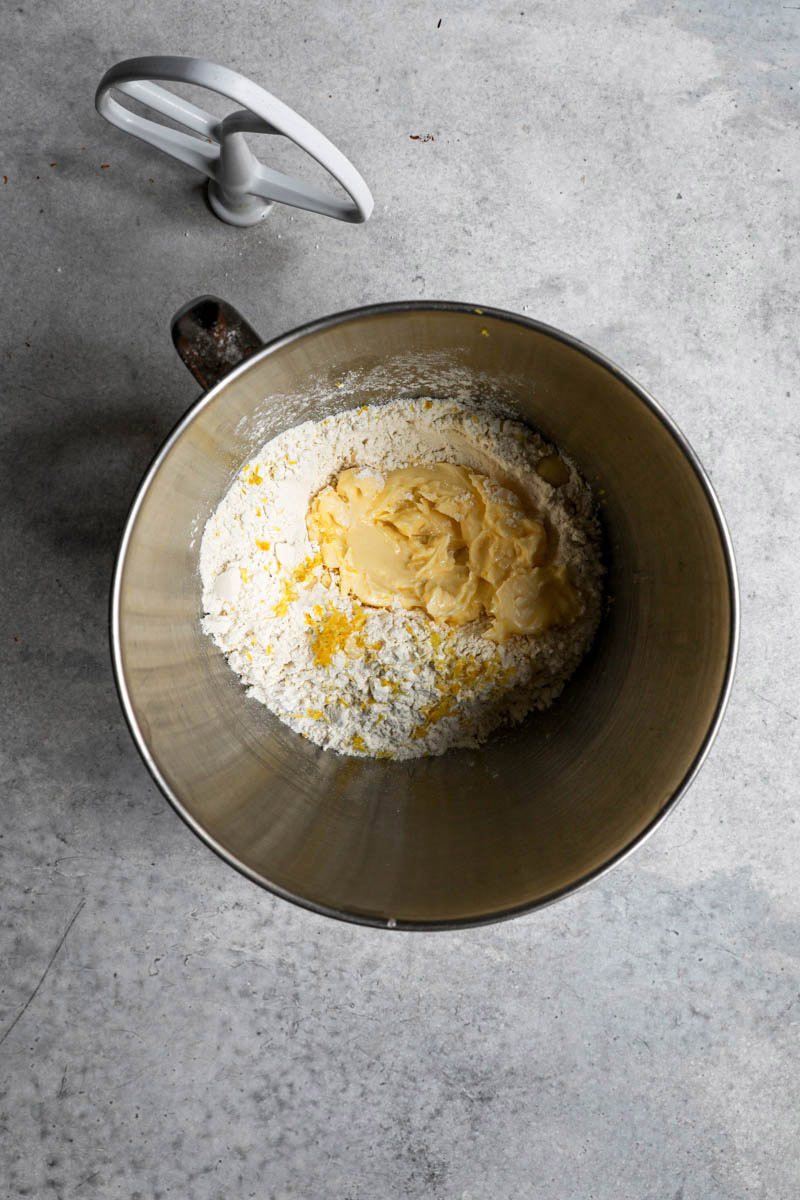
{"x": 474, "y": 835}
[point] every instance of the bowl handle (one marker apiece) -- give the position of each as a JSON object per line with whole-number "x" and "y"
{"x": 212, "y": 338}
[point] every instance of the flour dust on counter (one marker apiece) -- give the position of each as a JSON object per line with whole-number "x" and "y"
{"x": 398, "y": 580}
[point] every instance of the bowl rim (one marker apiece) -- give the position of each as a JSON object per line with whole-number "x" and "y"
{"x": 391, "y": 308}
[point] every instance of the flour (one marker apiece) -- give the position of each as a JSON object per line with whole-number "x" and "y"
{"x": 388, "y": 683}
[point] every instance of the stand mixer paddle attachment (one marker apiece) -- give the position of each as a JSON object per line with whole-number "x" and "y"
{"x": 241, "y": 190}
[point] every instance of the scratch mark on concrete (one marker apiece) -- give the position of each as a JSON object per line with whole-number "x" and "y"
{"x": 53, "y": 956}
{"x": 785, "y": 711}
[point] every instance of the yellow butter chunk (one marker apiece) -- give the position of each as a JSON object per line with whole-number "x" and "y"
{"x": 553, "y": 469}
{"x": 445, "y": 539}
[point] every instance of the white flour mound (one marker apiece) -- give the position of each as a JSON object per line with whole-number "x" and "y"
{"x": 387, "y": 683}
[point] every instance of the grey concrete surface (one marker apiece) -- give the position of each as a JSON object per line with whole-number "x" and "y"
{"x": 625, "y": 170}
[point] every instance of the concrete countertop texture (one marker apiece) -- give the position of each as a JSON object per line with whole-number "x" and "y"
{"x": 627, "y": 171}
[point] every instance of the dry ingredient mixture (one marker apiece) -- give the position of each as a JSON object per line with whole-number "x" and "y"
{"x": 397, "y": 580}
